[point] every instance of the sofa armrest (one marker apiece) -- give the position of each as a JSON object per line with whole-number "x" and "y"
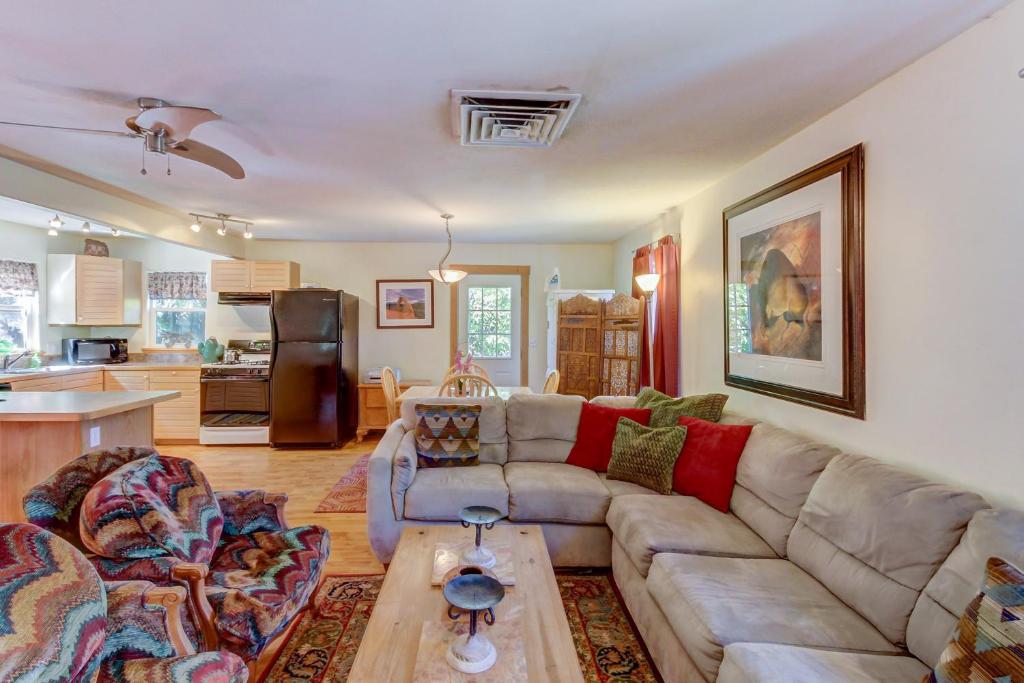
{"x": 382, "y": 520}
{"x": 157, "y": 610}
{"x": 246, "y": 512}
{"x": 193, "y": 576}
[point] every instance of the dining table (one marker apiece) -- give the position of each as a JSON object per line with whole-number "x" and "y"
{"x": 429, "y": 391}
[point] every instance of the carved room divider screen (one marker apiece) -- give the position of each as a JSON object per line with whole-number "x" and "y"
{"x": 599, "y": 345}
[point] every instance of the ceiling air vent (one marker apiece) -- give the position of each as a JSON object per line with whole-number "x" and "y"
{"x": 511, "y": 119}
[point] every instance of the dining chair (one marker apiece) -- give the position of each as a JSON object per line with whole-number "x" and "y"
{"x": 551, "y": 383}
{"x": 467, "y": 385}
{"x": 468, "y": 369}
{"x": 390, "y": 386}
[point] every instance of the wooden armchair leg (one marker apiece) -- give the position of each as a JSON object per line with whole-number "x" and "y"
{"x": 172, "y": 599}
{"x": 194, "y": 576}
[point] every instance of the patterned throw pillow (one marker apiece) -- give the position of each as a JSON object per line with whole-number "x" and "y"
{"x": 989, "y": 641}
{"x": 666, "y": 411}
{"x": 646, "y": 455}
{"x": 447, "y": 435}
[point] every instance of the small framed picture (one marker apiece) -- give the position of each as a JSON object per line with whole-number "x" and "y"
{"x": 405, "y": 304}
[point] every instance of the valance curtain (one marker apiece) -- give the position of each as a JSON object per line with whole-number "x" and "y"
{"x": 661, "y": 257}
{"x": 181, "y": 285}
{"x": 19, "y": 278}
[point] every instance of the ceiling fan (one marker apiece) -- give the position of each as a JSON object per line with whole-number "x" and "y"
{"x": 164, "y": 129}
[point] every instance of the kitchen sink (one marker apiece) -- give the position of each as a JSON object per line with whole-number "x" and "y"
{"x": 31, "y": 371}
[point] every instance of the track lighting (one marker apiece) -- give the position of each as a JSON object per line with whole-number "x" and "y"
{"x": 197, "y": 224}
{"x": 223, "y": 229}
{"x": 56, "y": 222}
{"x": 86, "y": 227}
{"x": 114, "y": 232}
{"x": 52, "y": 232}
{"x": 247, "y": 234}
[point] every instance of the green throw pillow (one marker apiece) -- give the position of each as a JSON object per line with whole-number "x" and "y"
{"x": 646, "y": 455}
{"x": 666, "y": 411}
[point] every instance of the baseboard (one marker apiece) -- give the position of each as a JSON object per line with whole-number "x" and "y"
{"x": 176, "y": 442}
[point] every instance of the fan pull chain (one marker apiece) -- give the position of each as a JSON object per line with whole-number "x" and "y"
{"x": 143, "y": 171}
{"x": 168, "y": 164}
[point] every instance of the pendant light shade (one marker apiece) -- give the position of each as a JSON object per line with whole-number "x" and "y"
{"x": 446, "y": 276}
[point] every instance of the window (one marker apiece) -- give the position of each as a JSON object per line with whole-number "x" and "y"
{"x": 489, "y": 322}
{"x": 177, "y": 304}
{"x": 18, "y": 320}
{"x": 740, "y": 339}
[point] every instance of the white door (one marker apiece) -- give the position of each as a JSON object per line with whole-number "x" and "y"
{"x": 489, "y": 325}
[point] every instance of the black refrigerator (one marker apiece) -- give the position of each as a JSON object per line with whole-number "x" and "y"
{"x": 314, "y": 367}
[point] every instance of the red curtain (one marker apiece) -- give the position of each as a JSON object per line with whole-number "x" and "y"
{"x": 666, "y": 327}
{"x": 642, "y": 265}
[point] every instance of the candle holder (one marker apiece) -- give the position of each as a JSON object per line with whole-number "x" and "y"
{"x": 476, "y": 594}
{"x": 482, "y": 517}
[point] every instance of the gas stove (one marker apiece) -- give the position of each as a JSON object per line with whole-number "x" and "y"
{"x": 253, "y": 360}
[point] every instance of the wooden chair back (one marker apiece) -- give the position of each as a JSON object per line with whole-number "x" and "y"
{"x": 467, "y": 385}
{"x": 471, "y": 369}
{"x": 551, "y": 383}
{"x": 390, "y": 386}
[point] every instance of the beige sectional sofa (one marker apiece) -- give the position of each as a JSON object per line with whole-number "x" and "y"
{"x": 829, "y": 566}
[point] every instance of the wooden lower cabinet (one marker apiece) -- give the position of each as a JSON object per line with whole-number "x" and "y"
{"x": 125, "y": 380}
{"x": 178, "y": 420}
{"x": 373, "y": 411}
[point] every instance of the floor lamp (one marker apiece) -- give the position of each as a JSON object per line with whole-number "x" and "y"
{"x": 648, "y": 283}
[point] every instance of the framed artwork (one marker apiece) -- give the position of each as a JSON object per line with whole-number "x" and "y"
{"x": 794, "y": 288}
{"x": 405, "y": 304}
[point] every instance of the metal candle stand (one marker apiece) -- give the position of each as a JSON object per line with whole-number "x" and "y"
{"x": 476, "y": 594}
{"x": 482, "y": 517}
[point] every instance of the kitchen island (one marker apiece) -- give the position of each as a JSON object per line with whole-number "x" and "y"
{"x": 42, "y": 430}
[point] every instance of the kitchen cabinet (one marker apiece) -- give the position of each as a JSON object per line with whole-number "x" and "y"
{"x": 176, "y": 420}
{"x": 37, "y": 384}
{"x": 93, "y": 290}
{"x": 82, "y": 381}
{"x": 253, "y": 276}
{"x": 125, "y": 380}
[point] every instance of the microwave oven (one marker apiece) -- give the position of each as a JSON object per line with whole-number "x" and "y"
{"x": 96, "y": 351}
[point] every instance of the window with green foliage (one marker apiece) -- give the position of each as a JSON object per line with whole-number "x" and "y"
{"x": 489, "y": 322}
{"x": 178, "y": 323}
{"x": 17, "y": 321}
{"x": 740, "y": 340}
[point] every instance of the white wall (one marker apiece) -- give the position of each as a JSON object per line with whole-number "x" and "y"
{"x": 944, "y": 145}
{"x": 668, "y": 223}
{"x": 423, "y": 354}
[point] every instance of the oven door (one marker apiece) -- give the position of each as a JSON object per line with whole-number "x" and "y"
{"x": 242, "y": 400}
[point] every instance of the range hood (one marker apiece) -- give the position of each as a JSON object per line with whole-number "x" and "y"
{"x": 244, "y": 298}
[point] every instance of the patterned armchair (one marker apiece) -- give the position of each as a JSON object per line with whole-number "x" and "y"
{"x": 59, "y": 623}
{"x": 248, "y": 574}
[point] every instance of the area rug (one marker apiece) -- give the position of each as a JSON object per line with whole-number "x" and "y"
{"x": 322, "y": 648}
{"x": 349, "y": 493}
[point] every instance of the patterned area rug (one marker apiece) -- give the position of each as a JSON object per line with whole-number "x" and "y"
{"x": 349, "y": 494}
{"x": 322, "y": 648}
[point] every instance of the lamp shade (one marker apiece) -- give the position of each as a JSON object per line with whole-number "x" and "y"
{"x": 648, "y": 281}
{"x": 447, "y": 276}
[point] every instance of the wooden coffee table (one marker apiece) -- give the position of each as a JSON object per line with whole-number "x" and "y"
{"x": 406, "y": 600}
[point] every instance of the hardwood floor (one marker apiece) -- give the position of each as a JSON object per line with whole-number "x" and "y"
{"x": 306, "y": 476}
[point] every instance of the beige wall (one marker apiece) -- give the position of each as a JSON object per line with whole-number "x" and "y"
{"x": 355, "y": 266}
{"x": 944, "y": 143}
{"x": 668, "y": 223}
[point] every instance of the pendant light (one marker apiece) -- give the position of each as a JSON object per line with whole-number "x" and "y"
{"x": 56, "y": 221}
{"x": 86, "y": 227}
{"x": 447, "y": 276}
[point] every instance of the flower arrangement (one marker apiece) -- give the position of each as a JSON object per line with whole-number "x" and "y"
{"x": 463, "y": 363}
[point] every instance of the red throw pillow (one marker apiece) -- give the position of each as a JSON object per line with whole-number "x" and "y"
{"x": 706, "y": 468}
{"x": 596, "y": 431}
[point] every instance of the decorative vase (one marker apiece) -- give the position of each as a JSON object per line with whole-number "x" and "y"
{"x": 210, "y": 350}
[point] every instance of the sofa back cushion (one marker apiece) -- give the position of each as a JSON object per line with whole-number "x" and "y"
{"x": 874, "y": 535}
{"x": 492, "y": 435}
{"x": 773, "y": 478}
{"x": 541, "y": 427}
{"x": 447, "y": 434}
{"x": 155, "y": 507}
{"x": 991, "y": 533}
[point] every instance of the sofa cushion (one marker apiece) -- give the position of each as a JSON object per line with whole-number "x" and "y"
{"x": 596, "y": 432}
{"x": 493, "y": 437}
{"x": 875, "y": 534}
{"x": 447, "y": 435}
{"x": 990, "y": 533}
{"x": 623, "y": 488}
{"x": 541, "y": 427}
{"x": 646, "y": 525}
{"x": 438, "y": 494}
{"x": 989, "y": 640}
{"x": 707, "y": 465}
{"x": 555, "y": 492}
{"x": 712, "y": 602}
{"x": 769, "y": 663}
{"x": 666, "y": 410}
{"x": 155, "y": 507}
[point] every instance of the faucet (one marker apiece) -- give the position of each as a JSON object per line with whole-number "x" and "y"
{"x": 9, "y": 362}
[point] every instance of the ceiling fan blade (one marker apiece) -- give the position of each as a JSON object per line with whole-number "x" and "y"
{"x": 178, "y": 122}
{"x": 116, "y": 133}
{"x": 197, "y": 151}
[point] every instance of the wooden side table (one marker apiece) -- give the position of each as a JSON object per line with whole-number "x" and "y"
{"x": 373, "y": 411}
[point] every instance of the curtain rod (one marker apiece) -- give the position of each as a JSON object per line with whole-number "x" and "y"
{"x": 655, "y": 243}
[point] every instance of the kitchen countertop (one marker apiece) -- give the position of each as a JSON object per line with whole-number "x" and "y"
{"x": 130, "y": 365}
{"x": 74, "y": 406}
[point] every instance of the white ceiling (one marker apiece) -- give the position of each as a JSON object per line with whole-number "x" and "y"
{"x": 339, "y": 111}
